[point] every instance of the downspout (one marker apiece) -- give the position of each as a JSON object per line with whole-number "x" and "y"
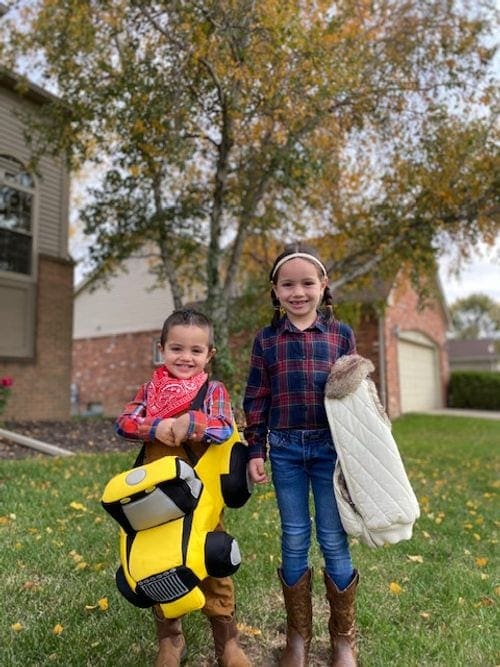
{"x": 381, "y": 361}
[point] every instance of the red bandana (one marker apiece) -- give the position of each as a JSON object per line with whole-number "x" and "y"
{"x": 168, "y": 396}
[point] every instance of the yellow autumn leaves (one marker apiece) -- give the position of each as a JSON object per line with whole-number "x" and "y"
{"x": 58, "y": 629}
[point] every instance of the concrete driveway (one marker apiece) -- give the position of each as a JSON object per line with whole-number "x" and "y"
{"x": 459, "y": 412}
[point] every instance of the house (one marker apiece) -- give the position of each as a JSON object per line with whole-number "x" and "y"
{"x": 482, "y": 354}
{"x": 115, "y": 334}
{"x": 406, "y": 340}
{"x": 36, "y": 271}
{"x": 116, "y": 329}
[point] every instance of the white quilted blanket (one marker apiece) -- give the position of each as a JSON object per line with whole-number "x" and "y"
{"x": 374, "y": 496}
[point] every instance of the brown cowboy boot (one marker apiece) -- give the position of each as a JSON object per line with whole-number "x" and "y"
{"x": 341, "y": 625}
{"x": 227, "y": 649}
{"x": 298, "y": 606}
{"x": 170, "y": 638}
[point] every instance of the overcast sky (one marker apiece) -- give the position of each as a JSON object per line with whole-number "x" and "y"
{"x": 482, "y": 275}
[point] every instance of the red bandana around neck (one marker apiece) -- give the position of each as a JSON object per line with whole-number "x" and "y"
{"x": 168, "y": 396}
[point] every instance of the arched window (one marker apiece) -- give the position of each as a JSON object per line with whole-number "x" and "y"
{"x": 17, "y": 191}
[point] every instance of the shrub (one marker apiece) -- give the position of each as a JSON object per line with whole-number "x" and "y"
{"x": 479, "y": 390}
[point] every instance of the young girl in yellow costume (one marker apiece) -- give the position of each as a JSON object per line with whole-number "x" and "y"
{"x": 160, "y": 416}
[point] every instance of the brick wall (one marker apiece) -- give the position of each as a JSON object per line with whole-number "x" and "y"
{"x": 41, "y": 389}
{"x": 108, "y": 370}
{"x": 367, "y": 340}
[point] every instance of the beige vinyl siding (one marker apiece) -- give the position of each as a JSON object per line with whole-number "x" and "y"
{"x": 126, "y": 305}
{"x": 50, "y": 231}
{"x": 18, "y": 293}
{"x": 17, "y": 301}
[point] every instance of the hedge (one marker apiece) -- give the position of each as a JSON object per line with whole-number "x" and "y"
{"x": 479, "y": 390}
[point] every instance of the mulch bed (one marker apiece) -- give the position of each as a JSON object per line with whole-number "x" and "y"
{"x": 77, "y": 435}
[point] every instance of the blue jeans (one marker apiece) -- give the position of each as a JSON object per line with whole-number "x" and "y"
{"x": 299, "y": 459}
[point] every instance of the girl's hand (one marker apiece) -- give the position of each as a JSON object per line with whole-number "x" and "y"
{"x": 180, "y": 428}
{"x": 164, "y": 432}
{"x": 257, "y": 471}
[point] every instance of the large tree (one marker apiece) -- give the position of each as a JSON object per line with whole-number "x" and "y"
{"x": 209, "y": 121}
{"x": 475, "y": 316}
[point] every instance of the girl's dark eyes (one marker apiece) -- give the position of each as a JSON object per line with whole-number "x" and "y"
{"x": 306, "y": 283}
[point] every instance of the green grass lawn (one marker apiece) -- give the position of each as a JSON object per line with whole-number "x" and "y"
{"x": 430, "y": 601}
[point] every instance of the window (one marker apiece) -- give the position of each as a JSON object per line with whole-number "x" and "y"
{"x": 157, "y": 355}
{"x": 17, "y": 191}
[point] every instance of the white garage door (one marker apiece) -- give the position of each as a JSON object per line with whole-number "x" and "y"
{"x": 418, "y": 373}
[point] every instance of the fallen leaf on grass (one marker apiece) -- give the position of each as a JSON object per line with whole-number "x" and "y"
{"x": 78, "y": 506}
{"x": 485, "y": 601}
{"x": 395, "y": 588}
{"x": 82, "y": 565}
{"x": 425, "y": 615}
{"x": 76, "y": 556}
{"x": 17, "y": 627}
{"x": 103, "y": 604}
{"x": 57, "y": 629}
{"x": 416, "y": 559}
{"x": 248, "y": 630}
{"x": 481, "y": 562}
{"x": 31, "y": 585}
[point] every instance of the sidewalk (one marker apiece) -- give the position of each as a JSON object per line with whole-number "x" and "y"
{"x": 459, "y": 412}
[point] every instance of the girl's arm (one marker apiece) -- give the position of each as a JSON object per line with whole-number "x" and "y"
{"x": 256, "y": 404}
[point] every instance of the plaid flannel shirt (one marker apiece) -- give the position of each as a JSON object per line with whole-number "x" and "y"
{"x": 212, "y": 424}
{"x": 288, "y": 373}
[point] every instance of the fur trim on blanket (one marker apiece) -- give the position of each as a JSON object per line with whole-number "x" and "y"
{"x": 347, "y": 374}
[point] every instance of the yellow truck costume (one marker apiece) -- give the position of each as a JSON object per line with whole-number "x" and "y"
{"x": 167, "y": 511}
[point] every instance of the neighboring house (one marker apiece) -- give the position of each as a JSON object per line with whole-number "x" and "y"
{"x": 116, "y": 330}
{"x": 115, "y": 334}
{"x": 482, "y": 354}
{"x": 36, "y": 271}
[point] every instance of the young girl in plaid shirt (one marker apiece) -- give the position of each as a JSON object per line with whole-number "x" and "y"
{"x": 284, "y": 408}
{"x": 161, "y": 417}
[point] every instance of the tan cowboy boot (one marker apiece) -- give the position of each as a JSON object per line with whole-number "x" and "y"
{"x": 172, "y": 645}
{"x": 227, "y": 649}
{"x": 298, "y": 606}
{"x": 342, "y": 622}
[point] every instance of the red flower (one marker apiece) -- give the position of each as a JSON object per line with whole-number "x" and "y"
{"x": 7, "y": 381}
